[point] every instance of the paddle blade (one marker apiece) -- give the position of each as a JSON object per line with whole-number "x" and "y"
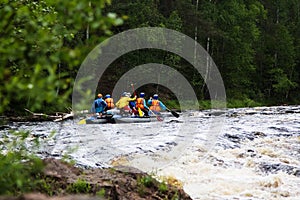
{"x": 83, "y": 121}
{"x": 140, "y": 112}
{"x": 175, "y": 114}
{"x": 159, "y": 118}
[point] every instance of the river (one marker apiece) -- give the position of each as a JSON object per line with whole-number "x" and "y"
{"x": 250, "y": 153}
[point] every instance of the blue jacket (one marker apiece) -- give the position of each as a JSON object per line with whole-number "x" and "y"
{"x": 145, "y": 105}
{"x": 99, "y": 105}
{"x": 132, "y": 104}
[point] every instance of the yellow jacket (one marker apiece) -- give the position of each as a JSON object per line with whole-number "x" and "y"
{"x": 124, "y": 101}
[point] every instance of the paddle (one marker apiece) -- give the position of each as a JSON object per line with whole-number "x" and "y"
{"x": 83, "y": 121}
{"x": 157, "y": 117}
{"x": 175, "y": 114}
{"x": 139, "y": 110}
{"x": 133, "y": 89}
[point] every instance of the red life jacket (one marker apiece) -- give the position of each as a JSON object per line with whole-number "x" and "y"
{"x": 139, "y": 103}
{"x": 110, "y": 103}
{"x": 155, "y": 105}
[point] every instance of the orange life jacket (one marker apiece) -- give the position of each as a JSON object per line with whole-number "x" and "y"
{"x": 110, "y": 103}
{"x": 155, "y": 105}
{"x": 139, "y": 103}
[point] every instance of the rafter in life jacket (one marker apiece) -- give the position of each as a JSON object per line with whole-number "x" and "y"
{"x": 155, "y": 105}
{"x": 140, "y": 103}
{"x": 110, "y": 103}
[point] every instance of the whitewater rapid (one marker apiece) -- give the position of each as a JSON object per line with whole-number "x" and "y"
{"x": 246, "y": 153}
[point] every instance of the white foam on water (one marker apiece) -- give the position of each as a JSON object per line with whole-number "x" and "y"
{"x": 233, "y": 169}
{"x": 234, "y": 173}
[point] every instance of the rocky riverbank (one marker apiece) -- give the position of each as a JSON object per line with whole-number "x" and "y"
{"x": 62, "y": 181}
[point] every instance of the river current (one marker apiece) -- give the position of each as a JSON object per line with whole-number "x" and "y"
{"x": 245, "y": 153}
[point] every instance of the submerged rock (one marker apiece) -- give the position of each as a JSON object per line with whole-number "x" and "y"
{"x": 272, "y": 168}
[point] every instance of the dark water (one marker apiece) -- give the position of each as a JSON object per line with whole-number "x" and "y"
{"x": 249, "y": 153}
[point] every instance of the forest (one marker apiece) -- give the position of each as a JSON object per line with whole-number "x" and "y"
{"x": 254, "y": 43}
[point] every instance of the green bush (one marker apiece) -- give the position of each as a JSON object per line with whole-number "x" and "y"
{"x": 162, "y": 187}
{"x": 240, "y": 103}
{"x": 205, "y": 104}
{"x": 144, "y": 182}
{"x": 19, "y": 169}
{"x": 172, "y": 104}
{"x": 80, "y": 186}
{"x": 101, "y": 192}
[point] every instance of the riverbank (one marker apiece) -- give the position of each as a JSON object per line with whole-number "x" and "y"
{"x": 61, "y": 180}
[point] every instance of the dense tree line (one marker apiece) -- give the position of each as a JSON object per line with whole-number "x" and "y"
{"x": 254, "y": 43}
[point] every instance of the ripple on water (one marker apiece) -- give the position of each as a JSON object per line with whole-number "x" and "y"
{"x": 256, "y": 156}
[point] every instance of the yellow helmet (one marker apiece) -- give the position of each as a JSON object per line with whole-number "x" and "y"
{"x": 100, "y": 95}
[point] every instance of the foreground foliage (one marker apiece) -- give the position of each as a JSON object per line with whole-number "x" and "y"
{"x": 19, "y": 170}
{"x": 42, "y": 45}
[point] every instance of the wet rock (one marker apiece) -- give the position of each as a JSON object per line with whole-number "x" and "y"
{"x": 228, "y": 141}
{"x": 171, "y": 143}
{"x": 280, "y": 129}
{"x": 247, "y": 153}
{"x": 39, "y": 135}
{"x": 216, "y": 113}
{"x": 293, "y": 110}
{"x": 128, "y": 169}
{"x": 2, "y": 127}
{"x": 217, "y": 162}
{"x": 259, "y": 134}
{"x": 227, "y": 145}
{"x": 175, "y": 121}
{"x": 233, "y": 138}
{"x": 270, "y": 168}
